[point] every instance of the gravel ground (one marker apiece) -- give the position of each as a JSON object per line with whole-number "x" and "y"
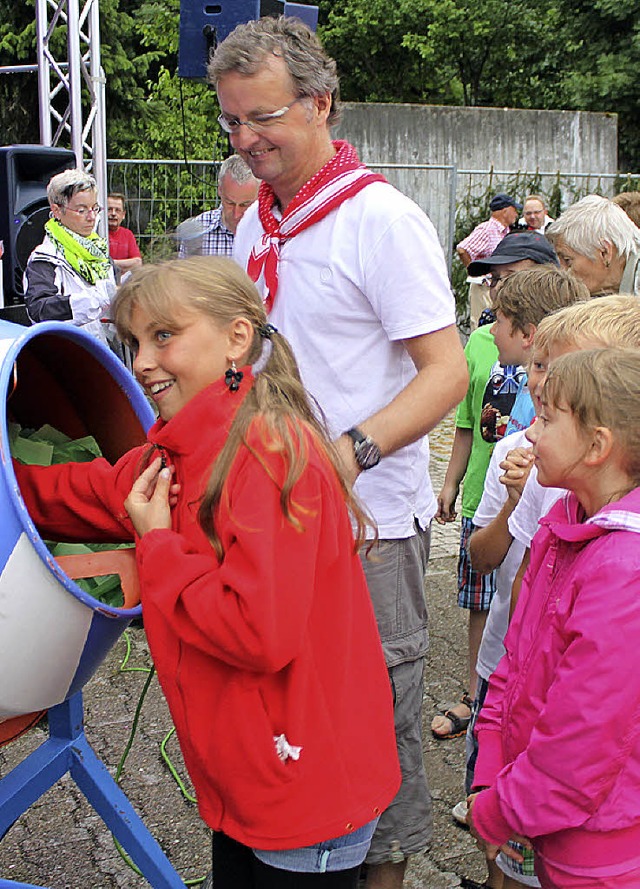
{"x": 61, "y": 842}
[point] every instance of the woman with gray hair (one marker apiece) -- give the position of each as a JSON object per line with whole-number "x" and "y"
{"x": 69, "y": 277}
{"x": 596, "y": 240}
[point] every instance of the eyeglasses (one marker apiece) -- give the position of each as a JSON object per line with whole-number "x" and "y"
{"x": 498, "y": 280}
{"x": 83, "y": 211}
{"x": 257, "y": 122}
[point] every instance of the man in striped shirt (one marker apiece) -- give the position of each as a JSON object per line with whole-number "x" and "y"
{"x": 481, "y": 243}
{"x": 212, "y": 232}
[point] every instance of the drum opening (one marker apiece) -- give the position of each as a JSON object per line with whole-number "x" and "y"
{"x": 60, "y": 383}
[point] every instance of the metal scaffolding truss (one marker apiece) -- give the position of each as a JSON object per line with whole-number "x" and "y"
{"x": 72, "y": 90}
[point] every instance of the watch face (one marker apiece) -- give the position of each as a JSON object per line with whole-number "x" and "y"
{"x": 367, "y": 453}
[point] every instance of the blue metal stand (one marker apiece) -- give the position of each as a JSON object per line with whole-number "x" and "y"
{"x": 67, "y": 750}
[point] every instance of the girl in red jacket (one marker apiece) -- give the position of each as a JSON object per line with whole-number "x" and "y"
{"x": 559, "y": 734}
{"x": 255, "y": 604}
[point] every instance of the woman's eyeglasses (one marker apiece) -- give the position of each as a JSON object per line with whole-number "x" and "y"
{"x": 83, "y": 211}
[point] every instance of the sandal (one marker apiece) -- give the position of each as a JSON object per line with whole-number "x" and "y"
{"x": 459, "y": 723}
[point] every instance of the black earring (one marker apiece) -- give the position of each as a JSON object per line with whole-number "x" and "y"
{"x": 233, "y": 377}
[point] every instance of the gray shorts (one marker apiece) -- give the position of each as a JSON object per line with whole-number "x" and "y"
{"x": 396, "y": 584}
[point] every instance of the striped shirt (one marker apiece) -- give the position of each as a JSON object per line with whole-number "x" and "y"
{"x": 484, "y": 239}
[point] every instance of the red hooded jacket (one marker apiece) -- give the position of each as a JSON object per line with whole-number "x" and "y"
{"x": 279, "y": 638}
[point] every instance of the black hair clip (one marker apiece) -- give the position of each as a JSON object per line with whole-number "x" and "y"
{"x": 267, "y": 330}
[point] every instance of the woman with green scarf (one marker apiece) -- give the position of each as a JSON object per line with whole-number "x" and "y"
{"x": 69, "y": 277}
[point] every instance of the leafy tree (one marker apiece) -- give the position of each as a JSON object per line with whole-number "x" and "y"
{"x": 375, "y": 64}
{"x": 485, "y": 50}
{"x": 471, "y": 52}
{"x": 603, "y": 75}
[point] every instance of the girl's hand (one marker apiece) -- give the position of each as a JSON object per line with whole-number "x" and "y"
{"x": 151, "y": 498}
{"x": 517, "y": 466}
{"x": 491, "y": 851}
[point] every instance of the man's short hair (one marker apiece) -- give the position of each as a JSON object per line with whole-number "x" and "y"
{"x": 527, "y": 296}
{"x": 535, "y": 197}
{"x": 630, "y": 203}
{"x": 593, "y": 222}
{"x": 63, "y": 186}
{"x": 604, "y": 321}
{"x": 248, "y": 46}
{"x": 118, "y": 196}
{"x": 237, "y": 169}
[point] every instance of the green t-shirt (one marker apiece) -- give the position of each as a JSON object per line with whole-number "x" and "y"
{"x": 481, "y": 354}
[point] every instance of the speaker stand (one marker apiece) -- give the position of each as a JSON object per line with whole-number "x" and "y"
{"x": 67, "y": 750}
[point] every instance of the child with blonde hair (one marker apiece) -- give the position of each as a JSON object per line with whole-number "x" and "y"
{"x": 559, "y": 775}
{"x": 255, "y": 604}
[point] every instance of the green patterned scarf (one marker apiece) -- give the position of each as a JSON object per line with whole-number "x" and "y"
{"x": 89, "y": 257}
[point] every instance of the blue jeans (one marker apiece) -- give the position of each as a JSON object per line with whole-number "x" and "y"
{"x": 340, "y": 853}
{"x": 236, "y": 866}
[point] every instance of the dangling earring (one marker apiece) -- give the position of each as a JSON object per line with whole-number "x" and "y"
{"x": 233, "y": 377}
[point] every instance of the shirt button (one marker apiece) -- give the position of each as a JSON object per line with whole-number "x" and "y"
{"x": 349, "y": 826}
{"x": 376, "y": 811}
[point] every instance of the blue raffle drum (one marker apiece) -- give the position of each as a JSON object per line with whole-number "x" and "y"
{"x": 53, "y": 635}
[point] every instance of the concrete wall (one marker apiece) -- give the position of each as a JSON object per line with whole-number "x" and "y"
{"x": 575, "y": 143}
{"x": 478, "y": 138}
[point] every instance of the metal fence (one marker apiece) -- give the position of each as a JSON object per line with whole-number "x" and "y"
{"x": 162, "y": 193}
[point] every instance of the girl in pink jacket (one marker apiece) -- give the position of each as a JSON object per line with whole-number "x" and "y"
{"x": 559, "y": 735}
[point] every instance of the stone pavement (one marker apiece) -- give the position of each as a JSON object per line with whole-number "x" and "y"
{"x": 61, "y": 843}
{"x": 445, "y": 539}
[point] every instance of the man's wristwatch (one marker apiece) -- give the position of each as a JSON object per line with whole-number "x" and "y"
{"x": 365, "y": 450}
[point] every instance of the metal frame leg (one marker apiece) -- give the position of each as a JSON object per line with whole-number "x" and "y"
{"x": 67, "y": 750}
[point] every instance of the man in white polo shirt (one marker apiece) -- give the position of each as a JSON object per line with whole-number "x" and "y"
{"x": 354, "y": 277}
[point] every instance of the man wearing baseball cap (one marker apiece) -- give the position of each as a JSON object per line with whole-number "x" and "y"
{"x": 481, "y": 243}
{"x": 523, "y": 249}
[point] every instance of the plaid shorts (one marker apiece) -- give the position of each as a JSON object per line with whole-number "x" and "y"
{"x": 522, "y": 871}
{"x": 475, "y": 590}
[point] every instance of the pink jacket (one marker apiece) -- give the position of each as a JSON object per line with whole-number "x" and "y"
{"x": 559, "y": 733}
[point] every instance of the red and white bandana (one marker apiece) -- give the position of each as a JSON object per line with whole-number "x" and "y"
{"x": 341, "y": 178}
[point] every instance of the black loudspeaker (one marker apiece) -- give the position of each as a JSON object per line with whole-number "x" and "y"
{"x": 25, "y": 171}
{"x": 203, "y": 25}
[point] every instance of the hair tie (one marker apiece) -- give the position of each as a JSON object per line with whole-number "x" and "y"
{"x": 265, "y": 355}
{"x": 267, "y": 330}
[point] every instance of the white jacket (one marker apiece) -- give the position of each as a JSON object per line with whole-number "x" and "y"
{"x": 54, "y": 291}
